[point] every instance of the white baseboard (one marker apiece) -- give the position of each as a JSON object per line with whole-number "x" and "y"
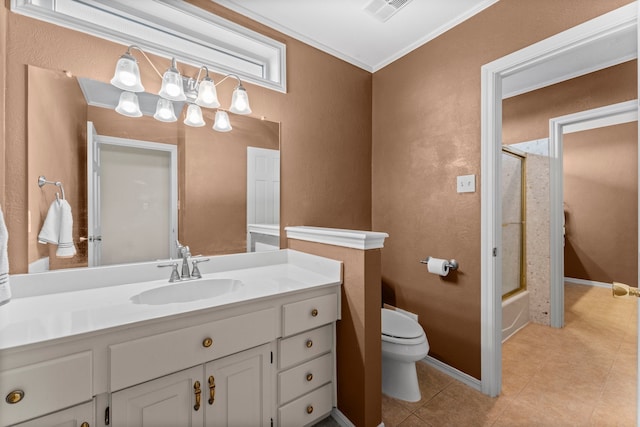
{"x": 453, "y": 372}
{"x": 341, "y": 418}
{"x": 587, "y": 282}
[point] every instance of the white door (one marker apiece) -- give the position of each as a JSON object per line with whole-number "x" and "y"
{"x": 93, "y": 197}
{"x": 132, "y": 200}
{"x": 174, "y": 400}
{"x": 263, "y": 186}
{"x": 238, "y": 387}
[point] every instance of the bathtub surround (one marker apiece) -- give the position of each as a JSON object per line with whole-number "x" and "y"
{"x": 359, "y": 352}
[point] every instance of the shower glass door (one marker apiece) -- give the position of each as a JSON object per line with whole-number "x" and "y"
{"x": 513, "y": 221}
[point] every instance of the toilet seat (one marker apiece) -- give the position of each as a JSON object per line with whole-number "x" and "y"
{"x": 397, "y": 327}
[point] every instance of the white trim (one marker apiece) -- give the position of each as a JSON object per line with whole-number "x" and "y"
{"x": 453, "y": 373}
{"x": 338, "y": 237}
{"x": 590, "y": 119}
{"x": 587, "y": 282}
{"x": 341, "y": 418}
{"x": 616, "y": 22}
{"x": 171, "y": 28}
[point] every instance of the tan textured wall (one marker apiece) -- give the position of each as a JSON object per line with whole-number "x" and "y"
{"x": 3, "y": 79}
{"x": 56, "y": 148}
{"x": 325, "y": 170}
{"x": 426, "y": 131}
{"x": 526, "y": 117}
{"x": 601, "y": 204}
{"x": 359, "y": 345}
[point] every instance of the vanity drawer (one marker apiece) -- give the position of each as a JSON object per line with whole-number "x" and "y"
{"x": 307, "y": 408}
{"x": 304, "y": 378}
{"x": 144, "y": 359}
{"x": 305, "y": 346}
{"x": 308, "y": 314}
{"x": 45, "y": 387}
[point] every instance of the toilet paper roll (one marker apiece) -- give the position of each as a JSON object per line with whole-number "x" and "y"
{"x": 438, "y": 266}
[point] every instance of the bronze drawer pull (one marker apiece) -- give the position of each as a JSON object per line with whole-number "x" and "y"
{"x": 309, "y": 409}
{"x": 197, "y": 392}
{"x": 84, "y": 424}
{"x": 314, "y": 312}
{"x": 309, "y": 376}
{"x": 207, "y": 342}
{"x": 309, "y": 343}
{"x": 14, "y": 397}
{"x": 212, "y": 390}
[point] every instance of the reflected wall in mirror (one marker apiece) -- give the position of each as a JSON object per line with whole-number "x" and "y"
{"x": 212, "y": 168}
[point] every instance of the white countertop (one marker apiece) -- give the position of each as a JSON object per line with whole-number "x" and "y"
{"x": 51, "y": 309}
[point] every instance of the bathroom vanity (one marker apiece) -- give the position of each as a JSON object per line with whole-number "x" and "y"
{"x": 122, "y": 346}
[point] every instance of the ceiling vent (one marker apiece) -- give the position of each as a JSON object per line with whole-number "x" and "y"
{"x": 382, "y": 10}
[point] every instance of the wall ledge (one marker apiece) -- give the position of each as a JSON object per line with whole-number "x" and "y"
{"x": 356, "y": 239}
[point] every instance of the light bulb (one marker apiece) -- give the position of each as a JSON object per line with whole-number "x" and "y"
{"x": 240, "y": 101}
{"x": 194, "y": 116}
{"x": 164, "y": 111}
{"x": 128, "y": 105}
{"x": 222, "y": 123}
{"x": 127, "y": 74}
{"x": 207, "y": 94}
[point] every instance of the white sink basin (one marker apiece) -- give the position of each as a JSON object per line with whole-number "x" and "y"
{"x": 194, "y": 290}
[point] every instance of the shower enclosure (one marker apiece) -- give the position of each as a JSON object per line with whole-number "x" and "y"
{"x": 515, "y": 301}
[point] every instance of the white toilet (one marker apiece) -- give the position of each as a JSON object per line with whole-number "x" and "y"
{"x": 403, "y": 344}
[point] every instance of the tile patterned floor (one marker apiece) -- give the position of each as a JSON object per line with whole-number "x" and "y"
{"x": 581, "y": 375}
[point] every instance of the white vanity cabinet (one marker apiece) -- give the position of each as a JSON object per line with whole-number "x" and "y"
{"x": 262, "y": 356}
{"x": 232, "y": 391}
{"x": 76, "y": 416}
{"x": 306, "y": 360}
{"x": 44, "y": 387}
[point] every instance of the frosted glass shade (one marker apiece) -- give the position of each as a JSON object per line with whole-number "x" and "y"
{"x": 207, "y": 94}
{"x": 172, "y": 88}
{"x": 164, "y": 111}
{"x": 127, "y": 74}
{"x": 128, "y": 105}
{"x": 194, "y": 116}
{"x": 222, "y": 123}
{"x": 240, "y": 101}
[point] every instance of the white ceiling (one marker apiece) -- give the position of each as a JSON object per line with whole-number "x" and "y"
{"x": 343, "y": 29}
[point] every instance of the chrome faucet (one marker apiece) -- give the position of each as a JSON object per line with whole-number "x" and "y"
{"x": 185, "y": 253}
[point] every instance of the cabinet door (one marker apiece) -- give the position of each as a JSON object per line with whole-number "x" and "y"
{"x": 167, "y": 401}
{"x": 238, "y": 389}
{"x": 76, "y": 416}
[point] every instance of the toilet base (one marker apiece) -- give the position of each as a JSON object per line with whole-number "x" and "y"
{"x": 400, "y": 380}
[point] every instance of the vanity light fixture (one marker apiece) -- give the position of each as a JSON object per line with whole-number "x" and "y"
{"x": 222, "y": 123}
{"x": 194, "y": 116}
{"x": 128, "y": 105}
{"x": 196, "y": 91}
{"x": 164, "y": 111}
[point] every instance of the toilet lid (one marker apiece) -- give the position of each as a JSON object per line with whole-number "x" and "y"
{"x": 398, "y": 325}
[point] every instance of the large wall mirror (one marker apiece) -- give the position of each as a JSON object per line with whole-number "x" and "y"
{"x": 151, "y": 182}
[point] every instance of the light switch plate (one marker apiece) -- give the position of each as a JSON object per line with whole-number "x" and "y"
{"x": 466, "y": 184}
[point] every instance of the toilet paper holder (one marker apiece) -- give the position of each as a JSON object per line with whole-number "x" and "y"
{"x": 452, "y": 263}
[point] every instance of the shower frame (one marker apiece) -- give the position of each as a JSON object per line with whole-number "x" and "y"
{"x": 523, "y": 220}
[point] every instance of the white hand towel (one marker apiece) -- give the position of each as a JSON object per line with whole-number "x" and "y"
{"x": 66, "y": 247}
{"x": 58, "y": 229}
{"x": 50, "y": 232}
{"x": 5, "y": 289}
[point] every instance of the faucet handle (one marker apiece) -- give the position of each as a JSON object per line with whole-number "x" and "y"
{"x": 195, "y": 271}
{"x": 175, "y": 276}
